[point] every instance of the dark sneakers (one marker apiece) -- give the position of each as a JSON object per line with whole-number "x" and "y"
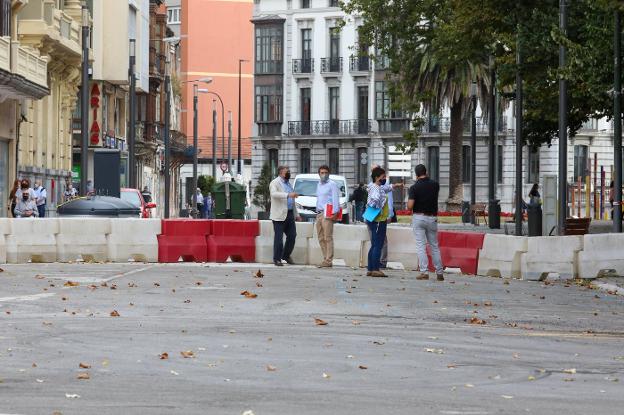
{"x": 278, "y": 263}
{"x": 440, "y": 277}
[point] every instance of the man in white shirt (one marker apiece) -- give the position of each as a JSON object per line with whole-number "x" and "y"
{"x": 26, "y": 206}
{"x": 327, "y": 193}
{"x": 41, "y": 196}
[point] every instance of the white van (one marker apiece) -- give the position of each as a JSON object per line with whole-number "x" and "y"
{"x": 305, "y": 186}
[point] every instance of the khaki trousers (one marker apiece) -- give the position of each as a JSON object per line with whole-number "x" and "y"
{"x": 325, "y": 232}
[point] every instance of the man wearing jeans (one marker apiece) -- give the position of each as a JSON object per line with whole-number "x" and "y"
{"x": 283, "y": 214}
{"x": 423, "y": 202}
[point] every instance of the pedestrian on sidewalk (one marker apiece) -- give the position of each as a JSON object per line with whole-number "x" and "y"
{"x": 70, "y": 192}
{"x": 423, "y": 202}
{"x": 377, "y": 202}
{"x": 13, "y": 197}
{"x": 359, "y": 198}
{"x": 41, "y": 196}
{"x": 383, "y": 259}
{"x": 283, "y": 214}
{"x": 26, "y": 206}
{"x": 327, "y": 194}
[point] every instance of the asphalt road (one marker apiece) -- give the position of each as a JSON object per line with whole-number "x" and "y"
{"x": 390, "y": 346}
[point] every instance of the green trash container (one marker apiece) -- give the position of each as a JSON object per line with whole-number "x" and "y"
{"x": 229, "y": 198}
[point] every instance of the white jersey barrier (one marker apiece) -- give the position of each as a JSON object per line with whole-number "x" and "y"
{"x": 348, "y": 244}
{"x": 82, "y": 239}
{"x": 501, "y": 256}
{"x": 133, "y": 240}
{"x": 5, "y": 229}
{"x": 602, "y": 253}
{"x": 32, "y": 240}
{"x": 551, "y": 254}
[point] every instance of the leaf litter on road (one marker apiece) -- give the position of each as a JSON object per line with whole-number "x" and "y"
{"x": 84, "y": 365}
{"x": 248, "y": 294}
{"x": 320, "y": 322}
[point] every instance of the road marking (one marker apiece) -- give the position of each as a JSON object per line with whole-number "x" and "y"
{"x": 464, "y": 412}
{"x": 32, "y": 297}
{"x": 125, "y": 274}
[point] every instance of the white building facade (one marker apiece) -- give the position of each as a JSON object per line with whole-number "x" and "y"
{"x": 319, "y": 99}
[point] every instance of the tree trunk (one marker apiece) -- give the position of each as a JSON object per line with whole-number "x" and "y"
{"x": 456, "y": 186}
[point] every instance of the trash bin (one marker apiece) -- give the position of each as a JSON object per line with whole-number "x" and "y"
{"x": 230, "y": 198}
{"x": 465, "y": 212}
{"x": 494, "y": 211}
{"x": 535, "y": 220}
{"x": 99, "y": 206}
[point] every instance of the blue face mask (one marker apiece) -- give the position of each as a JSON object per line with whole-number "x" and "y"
{"x": 383, "y": 182}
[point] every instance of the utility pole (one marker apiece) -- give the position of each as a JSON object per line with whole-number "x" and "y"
{"x": 617, "y": 124}
{"x": 239, "y": 169}
{"x": 563, "y": 124}
{"x": 519, "y": 122}
{"x": 229, "y": 152}
{"x": 132, "y": 114}
{"x": 195, "y": 150}
{"x": 473, "y": 151}
{"x": 167, "y": 138}
{"x": 214, "y": 139}
{"x": 493, "y": 209}
{"x": 84, "y": 104}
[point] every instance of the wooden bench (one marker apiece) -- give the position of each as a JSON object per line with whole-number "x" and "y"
{"x": 479, "y": 209}
{"x": 577, "y": 226}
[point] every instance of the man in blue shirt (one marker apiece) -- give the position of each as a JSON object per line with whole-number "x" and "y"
{"x": 327, "y": 193}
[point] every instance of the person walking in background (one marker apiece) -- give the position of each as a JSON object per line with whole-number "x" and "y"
{"x": 70, "y": 193}
{"x": 41, "y": 196}
{"x": 423, "y": 202}
{"x": 26, "y": 206}
{"x": 13, "y": 197}
{"x": 359, "y": 198}
{"x": 534, "y": 195}
{"x": 208, "y": 204}
{"x": 24, "y": 188}
{"x": 383, "y": 259}
{"x": 327, "y": 195}
{"x": 200, "y": 203}
{"x": 283, "y": 214}
{"x": 377, "y": 215}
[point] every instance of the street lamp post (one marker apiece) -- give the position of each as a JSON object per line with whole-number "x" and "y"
{"x": 519, "y": 122}
{"x": 214, "y": 139}
{"x": 239, "y": 170}
{"x": 132, "y": 115}
{"x": 473, "y": 151}
{"x": 84, "y": 103}
{"x": 195, "y": 149}
{"x": 563, "y": 125}
{"x": 493, "y": 208}
{"x": 229, "y": 153}
{"x": 167, "y": 137}
{"x": 617, "y": 125}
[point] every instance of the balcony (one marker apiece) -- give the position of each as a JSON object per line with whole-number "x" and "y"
{"x": 157, "y": 64}
{"x": 329, "y": 127}
{"x": 382, "y": 63}
{"x": 443, "y": 125}
{"x": 29, "y": 65}
{"x": 360, "y": 65}
{"x": 269, "y": 129}
{"x": 303, "y": 67}
{"x": 331, "y": 66}
{"x": 393, "y": 125}
{"x": 41, "y": 23}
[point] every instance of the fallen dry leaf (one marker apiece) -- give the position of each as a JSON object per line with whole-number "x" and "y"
{"x": 84, "y": 366}
{"x": 259, "y": 274}
{"x": 156, "y": 284}
{"x": 258, "y": 285}
{"x": 476, "y": 320}
{"x": 1, "y": 270}
{"x": 271, "y": 368}
{"x": 71, "y": 284}
{"x": 198, "y": 283}
{"x": 356, "y": 323}
{"x": 187, "y": 301}
{"x": 320, "y": 322}
{"x": 113, "y": 287}
{"x": 163, "y": 356}
{"x": 379, "y": 343}
{"x": 83, "y": 376}
{"x": 39, "y": 277}
{"x": 436, "y": 351}
{"x": 248, "y": 294}
{"x": 451, "y": 366}
{"x": 570, "y": 371}
{"x": 487, "y": 304}
{"x": 114, "y": 313}
{"x": 362, "y": 367}
{"x": 72, "y": 395}
{"x": 187, "y": 354}
{"x": 131, "y": 285}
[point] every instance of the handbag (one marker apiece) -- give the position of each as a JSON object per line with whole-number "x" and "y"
{"x": 371, "y": 213}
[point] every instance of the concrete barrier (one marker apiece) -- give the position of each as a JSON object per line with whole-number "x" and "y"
{"x": 601, "y": 254}
{"x": 401, "y": 247}
{"x": 264, "y": 243}
{"x": 5, "y": 229}
{"x": 133, "y": 239}
{"x": 349, "y": 241}
{"x": 82, "y": 238}
{"x": 501, "y": 255}
{"x": 551, "y": 254}
{"x": 32, "y": 240}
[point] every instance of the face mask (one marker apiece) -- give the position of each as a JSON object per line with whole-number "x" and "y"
{"x": 287, "y": 176}
{"x": 324, "y": 178}
{"x": 383, "y": 182}
{"x": 25, "y": 198}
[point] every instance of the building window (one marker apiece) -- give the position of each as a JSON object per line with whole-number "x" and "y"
{"x": 5, "y": 17}
{"x": 334, "y": 43}
{"x": 306, "y": 44}
{"x": 268, "y": 50}
{"x": 305, "y": 4}
{"x": 362, "y": 165}
{"x": 305, "y": 110}
{"x": 383, "y": 103}
{"x": 533, "y": 176}
{"x": 499, "y": 164}
{"x": 334, "y": 110}
{"x": 269, "y": 103}
{"x": 304, "y": 166}
{"x": 466, "y": 164}
{"x": 433, "y": 161}
{"x": 581, "y": 158}
{"x": 334, "y": 3}
{"x": 334, "y": 160}
{"x": 173, "y": 15}
{"x": 273, "y": 161}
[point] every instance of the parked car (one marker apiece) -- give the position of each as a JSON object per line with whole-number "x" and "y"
{"x": 305, "y": 186}
{"x": 136, "y": 198}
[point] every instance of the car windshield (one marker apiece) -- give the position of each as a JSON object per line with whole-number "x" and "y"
{"x": 131, "y": 197}
{"x": 307, "y": 187}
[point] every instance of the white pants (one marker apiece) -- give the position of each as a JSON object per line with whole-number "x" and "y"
{"x": 426, "y": 231}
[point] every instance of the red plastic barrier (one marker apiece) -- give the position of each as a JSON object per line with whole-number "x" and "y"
{"x": 235, "y": 239}
{"x": 459, "y": 250}
{"x": 184, "y": 238}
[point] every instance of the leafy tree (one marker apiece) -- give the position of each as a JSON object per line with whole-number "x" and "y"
{"x": 262, "y": 195}
{"x": 206, "y": 184}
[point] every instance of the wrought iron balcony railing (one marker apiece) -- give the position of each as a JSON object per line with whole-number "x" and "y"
{"x": 329, "y": 127}
{"x": 331, "y": 65}
{"x": 303, "y": 66}
{"x": 359, "y": 64}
